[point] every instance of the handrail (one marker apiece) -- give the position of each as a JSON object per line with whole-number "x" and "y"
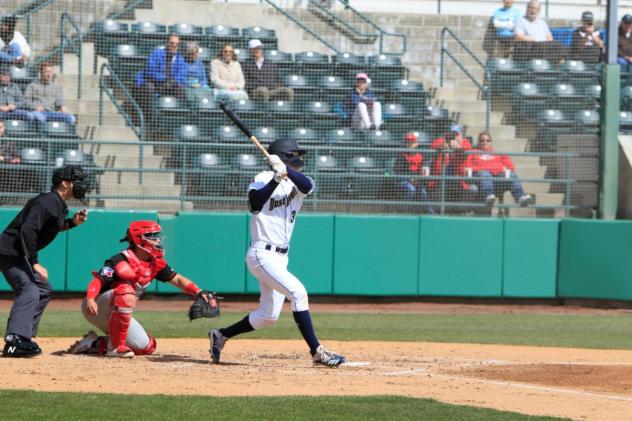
{"x": 382, "y": 32}
{"x": 302, "y": 25}
{"x": 28, "y": 11}
{"x": 140, "y": 132}
{"x": 341, "y": 21}
{"x": 71, "y": 43}
{"x": 485, "y": 89}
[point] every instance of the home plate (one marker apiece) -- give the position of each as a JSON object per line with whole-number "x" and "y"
{"x": 356, "y": 364}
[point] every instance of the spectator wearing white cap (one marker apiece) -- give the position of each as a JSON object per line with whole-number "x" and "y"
{"x": 8, "y": 36}
{"x": 263, "y": 81}
{"x": 363, "y": 107}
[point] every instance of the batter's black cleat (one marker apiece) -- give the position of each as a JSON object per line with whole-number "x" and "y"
{"x": 217, "y": 344}
{"x": 17, "y": 347}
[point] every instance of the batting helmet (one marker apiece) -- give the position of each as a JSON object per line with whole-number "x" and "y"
{"x": 76, "y": 175}
{"x": 288, "y": 150}
{"x": 146, "y": 235}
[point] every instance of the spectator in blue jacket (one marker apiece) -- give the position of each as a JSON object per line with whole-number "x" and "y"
{"x": 504, "y": 21}
{"x": 363, "y": 107}
{"x": 163, "y": 75}
{"x": 195, "y": 74}
{"x": 10, "y": 52}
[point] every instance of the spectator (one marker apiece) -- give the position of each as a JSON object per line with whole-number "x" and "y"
{"x": 504, "y": 21}
{"x": 8, "y": 150}
{"x": 534, "y": 38}
{"x": 263, "y": 81}
{"x": 12, "y": 103}
{"x": 195, "y": 75}
{"x": 450, "y": 162}
{"x": 586, "y": 44}
{"x": 8, "y": 35}
{"x": 363, "y": 107}
{"x": 226, "y": 75}
{"x": 46, "y": 98}
{"x": 489, "y": 166}
{"x": 625, "y": 42}
{"x": 410, "y": 164}
{"x": 164, "y": 74}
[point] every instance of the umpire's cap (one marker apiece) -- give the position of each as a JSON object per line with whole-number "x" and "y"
{"x": 287, "y": 149}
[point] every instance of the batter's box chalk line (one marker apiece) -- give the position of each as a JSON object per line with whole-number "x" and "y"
{"x": 356, "y": 364}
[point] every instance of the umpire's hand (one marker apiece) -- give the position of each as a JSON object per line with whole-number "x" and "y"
{"x": 80, "y": 217}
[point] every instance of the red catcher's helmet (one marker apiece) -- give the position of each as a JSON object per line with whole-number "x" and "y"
{"x": 146, "y": 235}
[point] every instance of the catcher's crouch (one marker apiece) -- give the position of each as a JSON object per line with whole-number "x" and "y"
{"x": 113, "y": 292}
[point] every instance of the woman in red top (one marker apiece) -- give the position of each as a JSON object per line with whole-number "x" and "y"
{"x": 497, "y": 172}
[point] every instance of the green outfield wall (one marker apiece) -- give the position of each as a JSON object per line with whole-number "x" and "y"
{"x": 372, "y": 255}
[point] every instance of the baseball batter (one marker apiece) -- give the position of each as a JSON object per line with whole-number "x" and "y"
{"x": 275, "y": 197}
{"x": 113, "y": 292}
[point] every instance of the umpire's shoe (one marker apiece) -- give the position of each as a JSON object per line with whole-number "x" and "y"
{"x": 17, "y": 347}
{"x": 328, "y": 358}
{"x": 217, "y": 344}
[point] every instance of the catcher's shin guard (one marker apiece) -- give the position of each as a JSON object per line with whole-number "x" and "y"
{"x": 149, "y": 349}
{"x": 123, "y": 303}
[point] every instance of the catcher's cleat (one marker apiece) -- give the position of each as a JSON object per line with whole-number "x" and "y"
{"x": 84, "y": 344}
{"x": 328, "y": 358}
{"x": 217, "y": 344}
{"x": 122, "y": 351}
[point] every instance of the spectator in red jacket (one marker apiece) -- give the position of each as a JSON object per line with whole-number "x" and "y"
{"x": 410, "y": 165}
{"x": 450, "y": 161}
{"x": 497, "y": 172}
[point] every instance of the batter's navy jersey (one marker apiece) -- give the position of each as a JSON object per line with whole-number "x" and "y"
{"x": 275, "y": 222}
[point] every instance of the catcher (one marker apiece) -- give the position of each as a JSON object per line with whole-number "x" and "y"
{"x": 113, "y": 292}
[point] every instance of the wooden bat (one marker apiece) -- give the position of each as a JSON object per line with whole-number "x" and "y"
{"x": 244, "y": 129}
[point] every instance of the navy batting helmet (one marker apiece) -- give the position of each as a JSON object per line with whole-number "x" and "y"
{"x": 288, "y": 150}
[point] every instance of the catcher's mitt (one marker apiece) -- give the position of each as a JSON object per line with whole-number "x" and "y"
{"x": 206, "y": 304}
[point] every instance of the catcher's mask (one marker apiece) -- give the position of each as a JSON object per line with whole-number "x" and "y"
{"x": 147, "y": 236}
{"x": 74, "y": 174}
{"x": 288, "y": 150}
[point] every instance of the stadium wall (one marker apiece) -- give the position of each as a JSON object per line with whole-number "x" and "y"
{"x": 373, "y": 255}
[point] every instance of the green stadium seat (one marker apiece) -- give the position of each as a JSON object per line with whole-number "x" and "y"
{"x": 333, "y": 89}
{"x": 364, "y": 183}
{"x": 566, "y": 99}
{"x": 208, "y": 176}
{"x": 320, "y": 114}
{"x": 58, "y": 129}
{"x": 107, "y": 34}
{"x": 148, "y": 35}
{"x": 588, "y": 122}
{"x": 219, "y": 35}
{"x": 303, "y": 91}
{"x": 283, "y": 61}
{"x": 398, "y": 119}
{"x": 283, "y": 110}
{"x": 20, "y": 129}
{"x": 170, "y": 113}
{"x": 188, "y": 32}
{"x": 267, "y": 36}
{"x": 527, "y": 101}
{"x": 541, "y": 72}
{"x": 593, "y": 95}
{"x": 625, "y": 121}
{"x": 505, "y": 74}
{"x": 126, "y": 61}
{"x": 329, "y": 178}
{"x": 247, "y": 165}
{"x": 266, "y": 135}
{"x": 248, "y": 111}
{"x": 242, "y": 54}
{"x": 187, "y": 133}
{"x": 626, "y": 98}
{"x": 33, "y": 177}
{"x": 385, "y": 68}
{"x": 208, "y": 113}
{"x": 578, "y": 73}
{"x": 380, "y": 139}
{"x": 551, "y": 124}
{"x": 313, "y": 65}
{"x": 306, "y": 136}
{"x": 409, "y": 93}
{"x": 22, "y": 75}
{"x": 343, "y": 137}
{"x": 227, "y": 134}
{"x": 347, "y": 65}
{"x": 436, "y": 120}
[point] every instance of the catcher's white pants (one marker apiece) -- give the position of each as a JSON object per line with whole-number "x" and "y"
{"x": 275, "y": 283}
{"x": 137, "y": 338}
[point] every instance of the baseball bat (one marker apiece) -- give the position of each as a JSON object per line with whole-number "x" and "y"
{"x": 242, "y": 126}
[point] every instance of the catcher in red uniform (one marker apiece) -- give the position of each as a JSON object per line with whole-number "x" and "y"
{"x": 113, "y": 292}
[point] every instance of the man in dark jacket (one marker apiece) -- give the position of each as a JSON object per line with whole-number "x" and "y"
{"x": 36, "y": 226}
{"x": 263, "y": 81}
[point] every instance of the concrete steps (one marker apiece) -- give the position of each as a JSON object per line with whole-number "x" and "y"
{"x": 169, "y": 206}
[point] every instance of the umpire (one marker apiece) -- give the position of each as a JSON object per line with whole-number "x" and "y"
{"x": 36, "y": 226}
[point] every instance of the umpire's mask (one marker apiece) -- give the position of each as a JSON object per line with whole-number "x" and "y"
{"x": 76, "y": 175}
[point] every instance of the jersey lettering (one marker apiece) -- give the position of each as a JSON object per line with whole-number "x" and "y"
{"x": 285, "y": 201}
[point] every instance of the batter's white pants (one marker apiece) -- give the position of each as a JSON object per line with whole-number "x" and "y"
{"x": 137, "y": 337}
{"x": 275, "y": 283}
{"x": 362, "y": 119}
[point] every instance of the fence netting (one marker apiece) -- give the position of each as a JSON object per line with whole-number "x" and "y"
{"x": 154, "y": 136}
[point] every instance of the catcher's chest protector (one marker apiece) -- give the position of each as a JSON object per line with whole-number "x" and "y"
{"x": 137, "y": 271}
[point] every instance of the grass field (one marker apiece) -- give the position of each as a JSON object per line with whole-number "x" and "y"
{"x": 577, "y": 331}
{"x": 582, "y": 331}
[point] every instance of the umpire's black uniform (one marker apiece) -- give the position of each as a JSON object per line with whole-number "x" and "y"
{"x": 37, "y": 224}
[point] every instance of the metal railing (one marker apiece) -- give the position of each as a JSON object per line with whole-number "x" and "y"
{"x": 104, "y": 89}
{"x": 381, "y": 33}
{"x": 74, "y": 43}
{"x": 28, "y": 11}
{"x": 484, "y": 89}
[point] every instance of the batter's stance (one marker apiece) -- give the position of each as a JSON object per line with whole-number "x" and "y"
{"x": 274, "y": 198}
{"x": 112, "y": 294}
